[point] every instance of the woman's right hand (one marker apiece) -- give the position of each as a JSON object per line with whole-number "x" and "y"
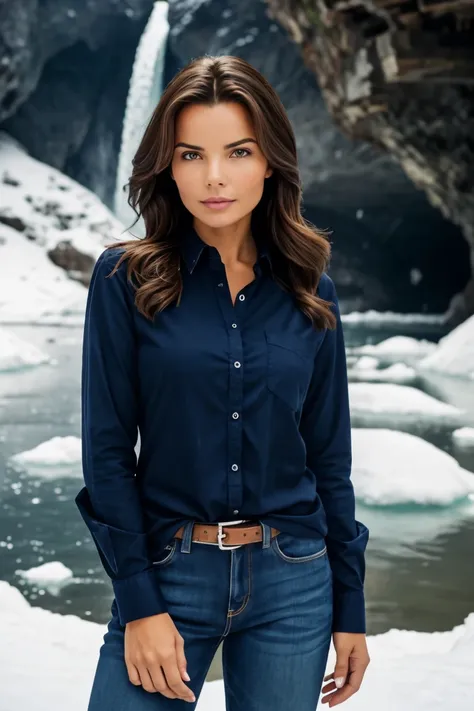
{"x": 154, "y": 655}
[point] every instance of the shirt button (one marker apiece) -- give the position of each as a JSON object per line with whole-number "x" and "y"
{"x": 221, "y": 284}
{"x": 237, "y": 364}
{"x": 235, "y": 415}
{"x": 234, "y": 467}
{"x": 242, "y": 297}
{"x": 236, "y": 511}
{"x": 234, "y": 325}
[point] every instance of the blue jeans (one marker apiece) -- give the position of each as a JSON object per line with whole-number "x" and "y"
{"x": 268, "y": 602}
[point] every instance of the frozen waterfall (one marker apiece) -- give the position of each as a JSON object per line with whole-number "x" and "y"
{"x": 143, "y": 95}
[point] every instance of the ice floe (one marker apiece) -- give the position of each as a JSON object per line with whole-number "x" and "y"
{"x": 398, "y": 407}
{"x": 58, "y": 456}
{"x": 392, "y": 468}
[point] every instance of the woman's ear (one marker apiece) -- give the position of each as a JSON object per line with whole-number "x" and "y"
{"x": 269, "y": 172}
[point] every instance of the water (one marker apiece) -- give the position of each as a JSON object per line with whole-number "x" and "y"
{"x": 419, "y": 563}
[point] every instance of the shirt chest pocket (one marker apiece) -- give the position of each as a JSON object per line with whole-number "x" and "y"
{"x": 288, "y": 368}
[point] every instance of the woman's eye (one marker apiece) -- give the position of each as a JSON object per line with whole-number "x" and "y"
{"x": 245, "y": 150}
{"x": 189, "y": 154}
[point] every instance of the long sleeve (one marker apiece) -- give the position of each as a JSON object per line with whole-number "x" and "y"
{"x": 326, "y": 430}
{"x": 109, "y": 502}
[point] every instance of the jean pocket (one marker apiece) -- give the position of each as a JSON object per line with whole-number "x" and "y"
{"x": 288, "y": 369}
{"x": 298, "y": 549}
{"x": 166, "y": 555}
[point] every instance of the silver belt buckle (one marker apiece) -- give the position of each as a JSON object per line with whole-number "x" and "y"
{"x": 221, "y": 535}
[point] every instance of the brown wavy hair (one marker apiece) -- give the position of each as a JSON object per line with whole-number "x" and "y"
{"x": 300, "y": 252}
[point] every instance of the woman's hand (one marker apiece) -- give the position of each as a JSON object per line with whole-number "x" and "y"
{"x": 351, "y": 663}
{"x": 154, "y": 656}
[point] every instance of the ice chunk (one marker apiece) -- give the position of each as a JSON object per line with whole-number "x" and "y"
{"x": 464, "y": 438}
{"x": 396, "y": 373}
{"x": 16, "y": 354}
{"x": 52, "y": 576}
{"x": 454, "y": 355}
{"x": 58, "y": 456}
{"x": 391, "y": 468}
{"x": 397, "y": 348}
{"x": 398, "y": 406}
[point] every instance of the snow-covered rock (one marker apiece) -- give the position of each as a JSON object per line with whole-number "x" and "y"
{"x": 32, "y": 288}
{"x": 398, "y": 406}
{"x": 43, "y": 212}
{"x": 391, "y": 468}
{"x": 48, "y": 661}
{"x": 58, "y": 456}
{"x": 454, "y": 354}
{"x": 52, "y": 576}
{"x": 17, "y": 354}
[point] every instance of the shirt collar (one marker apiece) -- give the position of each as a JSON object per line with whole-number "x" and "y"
{"x": 192, "y": 246}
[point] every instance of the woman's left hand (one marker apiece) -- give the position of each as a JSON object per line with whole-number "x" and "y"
{"x": 351, "y": 663}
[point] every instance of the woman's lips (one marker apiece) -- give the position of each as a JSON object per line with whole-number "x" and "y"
{"x": 217, "y": 204}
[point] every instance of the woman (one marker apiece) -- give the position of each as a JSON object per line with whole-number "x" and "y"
{"x": 218, "y": 337}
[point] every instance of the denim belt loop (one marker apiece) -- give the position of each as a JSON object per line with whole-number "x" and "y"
{"x": 187, "y": 538}
{"x": 266, "y": 535}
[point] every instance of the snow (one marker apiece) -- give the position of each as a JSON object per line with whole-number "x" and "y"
{"x": 45, "y": 208}
{"x": 409, "y": 670}
{"x": 16, "y": 354}
{"x": 51, "y": 576}
{"x": 58, "y": 456}
{"x": 398, "y": 406}
{"x": 415, "y": 472}
{"x": 32, "y": 288}
{"x": 454, "y": 354}
{"x": 47, "y": 660}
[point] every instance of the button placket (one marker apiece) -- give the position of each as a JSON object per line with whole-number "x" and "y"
{"x": 233, "y": 317}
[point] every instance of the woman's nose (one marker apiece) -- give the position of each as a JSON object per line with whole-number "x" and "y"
{"x": 215, "y": 174}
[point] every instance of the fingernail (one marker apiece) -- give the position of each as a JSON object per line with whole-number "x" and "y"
{"x": 339, "y": 681}
{"x": 186, "y": 676}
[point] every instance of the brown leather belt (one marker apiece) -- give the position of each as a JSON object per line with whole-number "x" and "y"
{"x": 234, "y": 535}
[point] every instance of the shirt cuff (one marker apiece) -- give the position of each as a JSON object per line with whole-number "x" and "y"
{"x": 138, "y": 596}
{"x": 349, "y": 612}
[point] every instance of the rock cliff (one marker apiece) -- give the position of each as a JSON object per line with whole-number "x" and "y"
{"x": 400, "y": 75}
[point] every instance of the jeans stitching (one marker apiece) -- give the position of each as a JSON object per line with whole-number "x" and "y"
{"x": 302, "y": 559}
{"x": 234, "y": 613}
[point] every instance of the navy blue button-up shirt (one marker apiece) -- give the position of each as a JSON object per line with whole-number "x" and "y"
{"x": 242, "y": 412}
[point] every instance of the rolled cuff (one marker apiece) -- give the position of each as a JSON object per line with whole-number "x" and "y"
{"x": 349, "y": 612}
{"x": 138, "y": 596}
{"x": 123, "y": 553}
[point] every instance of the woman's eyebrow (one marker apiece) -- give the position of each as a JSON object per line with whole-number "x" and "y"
{"x": 229, "y": 145}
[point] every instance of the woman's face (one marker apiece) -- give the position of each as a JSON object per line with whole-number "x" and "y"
{"x": 205, "y": 166}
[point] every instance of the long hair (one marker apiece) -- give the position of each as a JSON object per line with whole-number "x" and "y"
{"x": 301, "y": 253}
